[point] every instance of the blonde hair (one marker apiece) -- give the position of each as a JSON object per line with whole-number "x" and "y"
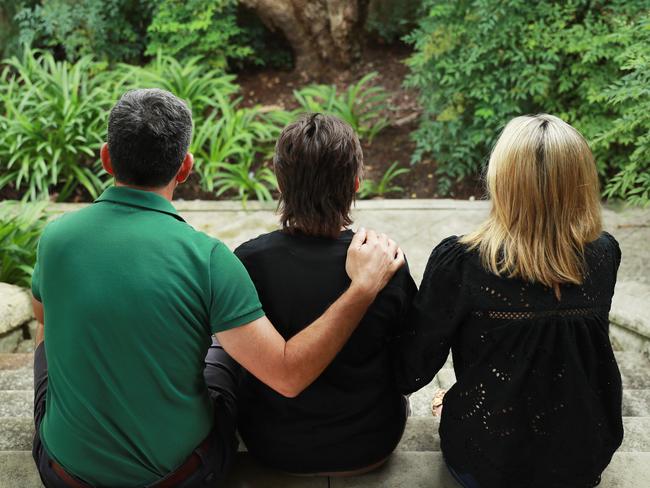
{"x": 545, "y": 194}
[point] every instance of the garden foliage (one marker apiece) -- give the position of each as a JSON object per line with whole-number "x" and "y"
{"x": 219, "y": 31}
{"x": 478, "y": 63}
{"x": 199, "y": 85}
{"x": 20, "y": 228}
{"x": 206, "y": 28}
{"x": 113, "y": 30}
{"x": 53, "y": 120}
{"x": 392, "y": 19}
{"x": 226, "y": 145}
{"x": 386, "y": 184}
{"x": 362, "y": 105}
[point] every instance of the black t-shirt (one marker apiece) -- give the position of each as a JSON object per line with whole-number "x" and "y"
{"x": 537, "y": 402}
{"x": 353, "y": 414}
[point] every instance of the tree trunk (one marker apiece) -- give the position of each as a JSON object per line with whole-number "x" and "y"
{"x": 324, "y": 34}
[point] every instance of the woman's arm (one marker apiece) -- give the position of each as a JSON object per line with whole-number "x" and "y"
{"x": 435, "y": 315}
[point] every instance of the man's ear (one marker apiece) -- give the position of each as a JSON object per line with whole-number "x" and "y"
{"x": 186, "y": 168}
{"x": 105, "y": 156}
{"x": 356, "y": 184}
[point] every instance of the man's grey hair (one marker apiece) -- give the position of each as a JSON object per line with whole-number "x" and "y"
{"x": 149, "y": 133}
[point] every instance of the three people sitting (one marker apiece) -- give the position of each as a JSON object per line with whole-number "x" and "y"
{"x": 319, "y": 335}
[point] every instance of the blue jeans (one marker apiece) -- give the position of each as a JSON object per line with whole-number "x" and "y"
{"x": 464, "y": 479}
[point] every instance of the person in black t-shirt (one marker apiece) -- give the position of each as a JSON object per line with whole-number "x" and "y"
{"x": 352, "y": 417}
{"x": 523, "y": 305}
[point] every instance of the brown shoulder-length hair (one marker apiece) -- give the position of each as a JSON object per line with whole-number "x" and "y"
{"x": 543, "y": 185}
{"x": 317, "y": 161}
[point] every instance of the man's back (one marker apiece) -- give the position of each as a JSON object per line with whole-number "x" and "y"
{"x": 352, "y": 415}
{"x": 127, "y": 288}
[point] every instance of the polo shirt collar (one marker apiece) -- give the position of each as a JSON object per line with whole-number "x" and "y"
{"x": 139, "y": 198}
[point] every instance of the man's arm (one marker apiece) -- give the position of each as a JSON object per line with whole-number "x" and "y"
{"x": 290, "y": 366}
{"x": 39, "y": 315}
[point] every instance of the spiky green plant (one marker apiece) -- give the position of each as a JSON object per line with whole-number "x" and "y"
{"x": 246, "y": 180}
{"x": 53, "y": 121}
{"x": 192, "y": 80}
{"x": 21, "y": 226}
{"x": 385, "y": 185}
{"x": 227, "y": 143}
{"x": 362, "y": 106}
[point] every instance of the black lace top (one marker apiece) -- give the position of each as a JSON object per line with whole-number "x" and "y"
{"x": 537, "y": 402}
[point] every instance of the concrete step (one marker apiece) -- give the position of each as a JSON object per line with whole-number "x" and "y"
{"x": 427, "y": 470}
{"x": 635, "y": 370}
{"x": 636, "y": 403}
{"x": 16, "y": 403}
{"x": 403, "y": 470}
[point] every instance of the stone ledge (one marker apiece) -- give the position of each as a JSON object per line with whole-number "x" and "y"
{"x": 403, "y": 470}
{"x": 15, "y": 307}
{"x": 630, "y": 316}
{"x": 255, "y": 206}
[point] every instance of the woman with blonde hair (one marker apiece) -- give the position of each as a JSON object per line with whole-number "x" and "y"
{"x": 523, "y": 302}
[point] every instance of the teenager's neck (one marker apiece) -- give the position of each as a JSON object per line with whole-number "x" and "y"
{"x": 166, "y": 192}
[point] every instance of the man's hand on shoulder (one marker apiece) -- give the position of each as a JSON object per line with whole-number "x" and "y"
{"x": 372, "y": 261}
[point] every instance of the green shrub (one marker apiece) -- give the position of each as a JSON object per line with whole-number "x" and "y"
{"x": 385, "y": 185}
{"x": 246, "y": 180}
{"x": 206, "y": 28}
{"x": 478, "y": 63}
{"x": 631, "y": 129}
{"x": 392, "y": 19}
{"x": 362, "y": 106}
{"x": 269, "y": 48}
{"x": 53, "y": 118}
{"x": 112, "y": 30}
{"x": 53, "y": 121}
{"x": 190, "y": 80}
{"x": 227, "y": 143}
{"x": 20, "y": 228}
{"x": 9, "y": 44}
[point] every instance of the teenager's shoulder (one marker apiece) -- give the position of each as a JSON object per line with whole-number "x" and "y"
{"x": 259, "y": 244}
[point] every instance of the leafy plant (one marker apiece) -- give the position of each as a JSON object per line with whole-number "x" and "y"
{"x": 245, "y": 180}
{"x": 362, "y": 106}
{"x": 385, "y": 185}
{"x": 392, "y": 19}
{"x": 52, "y": 118}
{"x": 8, "y": 28}
{"x": 269, "y": 48}
{"x": 205, "y": 28}
{"x": 112, "y": 30}
{"x": 478, "y": 63}
{"x": 631, "y": 129}
{"x": 190, "y": 80}
{"x": 20, "y": 228}
{"x": 225, "y": 146}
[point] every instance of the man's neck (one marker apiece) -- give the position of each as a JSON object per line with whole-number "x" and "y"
{"x": 166, "y": 192}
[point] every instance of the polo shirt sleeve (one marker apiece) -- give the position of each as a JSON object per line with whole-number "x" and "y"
{"x": 233, "y": 297}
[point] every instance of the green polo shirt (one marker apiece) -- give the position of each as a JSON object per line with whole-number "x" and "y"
{"x": 132, "y": 294}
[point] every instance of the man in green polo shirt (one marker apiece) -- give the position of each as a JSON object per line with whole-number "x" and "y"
{"x": 132, "y": 294}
